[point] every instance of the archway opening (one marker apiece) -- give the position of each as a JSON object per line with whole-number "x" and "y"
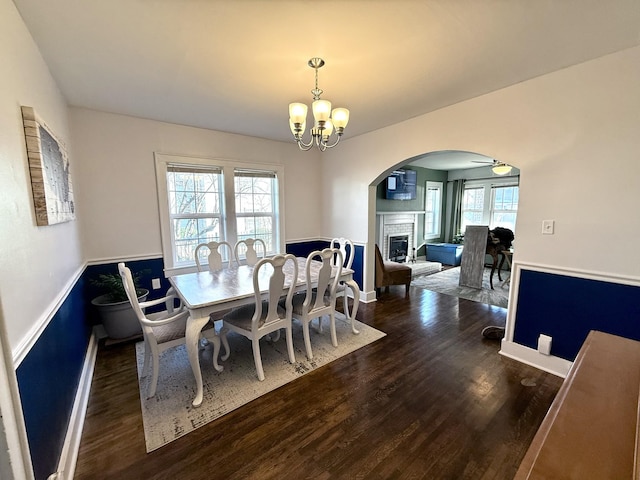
{"x": 431, "y": 207}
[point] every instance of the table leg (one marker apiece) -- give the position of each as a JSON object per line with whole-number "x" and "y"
{"x": 192, "y": 339}
{"x": 356, "y": 303}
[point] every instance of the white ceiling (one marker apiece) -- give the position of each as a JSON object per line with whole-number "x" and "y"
{"x": 235, "y": 65}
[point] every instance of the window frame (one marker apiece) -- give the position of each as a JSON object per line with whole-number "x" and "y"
{"x": 493, "y": 211}
{"x": 439, "y": 187}
{"x": 228, "y": 214}
{"x": 488, "y": 185}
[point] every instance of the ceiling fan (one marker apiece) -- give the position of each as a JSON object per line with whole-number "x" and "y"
{"x": 499, "y": 168}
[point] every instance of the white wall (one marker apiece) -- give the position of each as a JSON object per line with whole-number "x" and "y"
{"x": 116, "y": 188}
{"x": 574, "y": 136}
{"x": 36, "y": 262}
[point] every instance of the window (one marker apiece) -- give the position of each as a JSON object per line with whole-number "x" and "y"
{"x": 472, "y": 207}
{"x": 490, "y": 202}
{"x": 432, "y": 209}
{"x": 504, "y": 207}
{"x": 203, "y": 200}
{"x": 255, "y": 205}
{"x": 195, "y": 209}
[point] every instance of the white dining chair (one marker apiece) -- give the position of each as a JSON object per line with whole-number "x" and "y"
{"x": 346, "y": 248}
{"x": 348, "y": 251}
{"x": 215, "y": 257}
{"x": 319, "y": 300}
{"x": 264, "y": 317}
{"x": 161, "y": 330}
{"x": 247, "y": 247}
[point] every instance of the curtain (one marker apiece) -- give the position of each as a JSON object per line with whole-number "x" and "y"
{"x": 454, "y": 220}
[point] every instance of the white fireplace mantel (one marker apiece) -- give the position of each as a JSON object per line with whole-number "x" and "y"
{"x": 397, "y": 223}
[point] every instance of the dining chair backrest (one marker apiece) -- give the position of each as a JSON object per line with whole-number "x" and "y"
{"x": 215, "y": 259}
{"x": 130, "y": 289}
{"x": 139, "y": 307}
{"x": 325, "y": 284}
{"x": 342, "y": 244}
{"x": 281, "y": 284}
{"x": 248, "y": 248}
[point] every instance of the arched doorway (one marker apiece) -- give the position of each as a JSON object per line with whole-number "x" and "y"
{"x": 453, "y": 189}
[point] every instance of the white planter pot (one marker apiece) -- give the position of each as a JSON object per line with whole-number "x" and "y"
{"x": 119, "y": 319}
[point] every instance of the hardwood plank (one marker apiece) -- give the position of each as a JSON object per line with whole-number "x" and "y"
{"x": 432, "y": 399}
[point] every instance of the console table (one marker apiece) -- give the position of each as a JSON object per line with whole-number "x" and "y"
{"x": 591, "y": 428}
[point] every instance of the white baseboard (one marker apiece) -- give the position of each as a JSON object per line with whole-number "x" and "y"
{"x": 548, "y": 363}
{"x": 69, "y": 455}
{"x": 367, "y": 297}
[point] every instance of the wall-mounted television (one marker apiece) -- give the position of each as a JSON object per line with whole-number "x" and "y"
{"x": 401, "y": 185}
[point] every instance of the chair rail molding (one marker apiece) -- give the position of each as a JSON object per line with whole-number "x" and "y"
{"x": 24, "y": 346}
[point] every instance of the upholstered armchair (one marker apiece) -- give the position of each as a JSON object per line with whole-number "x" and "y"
{"x": 391, "y": 273}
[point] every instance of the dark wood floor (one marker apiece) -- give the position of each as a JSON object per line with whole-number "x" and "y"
{"x": 433, "y": 400}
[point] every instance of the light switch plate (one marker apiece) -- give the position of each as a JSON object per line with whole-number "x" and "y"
{"x": 155, "y": 283}
{"x": 548, "y": 227}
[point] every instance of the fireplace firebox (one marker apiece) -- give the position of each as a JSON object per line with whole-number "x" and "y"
{"x": 398, "y": 248}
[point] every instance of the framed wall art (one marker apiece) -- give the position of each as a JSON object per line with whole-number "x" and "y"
{"x": 49, "y": 170}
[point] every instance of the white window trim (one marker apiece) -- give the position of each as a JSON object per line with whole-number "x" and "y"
{"x": 439, "y": 186}
{"x": 162, "y": 160}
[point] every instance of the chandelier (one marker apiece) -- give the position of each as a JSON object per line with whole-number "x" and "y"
{"x": 325, "y": 120}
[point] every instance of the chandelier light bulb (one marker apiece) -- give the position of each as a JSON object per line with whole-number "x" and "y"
{"x": 328, "y": 129}
{"x": 298, "y": 112}
{"x": 321, "y": 110}
{"x": 340, "y": 117}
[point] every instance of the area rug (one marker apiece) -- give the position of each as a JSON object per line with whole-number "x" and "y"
{"x": 169, "y": 414}
{"x": 447, "y": 282}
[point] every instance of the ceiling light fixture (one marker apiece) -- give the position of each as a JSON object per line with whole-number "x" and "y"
{"x": 325, "y": 120}
{"x": 501, "y": 169}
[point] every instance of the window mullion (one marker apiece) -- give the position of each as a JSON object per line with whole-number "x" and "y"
{"x": 230, "y": 233}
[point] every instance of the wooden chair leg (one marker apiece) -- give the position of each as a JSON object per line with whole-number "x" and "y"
{"x": 406, "y": 288}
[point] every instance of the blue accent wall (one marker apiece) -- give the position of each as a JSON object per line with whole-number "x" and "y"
{"x": 48, "y": 376}
{"x": 567, "y": 308}
{"x": 358, "y": 265}
{"x": 302, "y": 249}
{"x": 48, "y": 379}
{"x": 146, "y": 269}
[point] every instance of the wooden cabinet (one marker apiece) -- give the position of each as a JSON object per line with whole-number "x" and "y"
{"x": 590, "y": 430}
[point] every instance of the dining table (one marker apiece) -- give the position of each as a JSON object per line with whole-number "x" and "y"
{"x": 207, "y": 292}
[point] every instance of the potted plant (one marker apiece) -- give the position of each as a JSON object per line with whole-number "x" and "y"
{"x": 113, "y": 306}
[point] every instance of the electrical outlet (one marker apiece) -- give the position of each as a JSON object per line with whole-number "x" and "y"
{"x": 544, "y": 344}
{"x": 548, "y": 227}
{"x": 155, "y": 283}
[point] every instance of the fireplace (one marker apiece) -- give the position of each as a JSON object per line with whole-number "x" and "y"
{"x": 398, "y": 247}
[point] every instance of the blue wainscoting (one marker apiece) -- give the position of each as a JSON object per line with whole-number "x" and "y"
{"x": 302, "y": 249}
{"x": 48, "y": 376}
{"x": 145, "y": 269}
{"x": 567, "y": 308}
{"x": 48, "y": 379}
